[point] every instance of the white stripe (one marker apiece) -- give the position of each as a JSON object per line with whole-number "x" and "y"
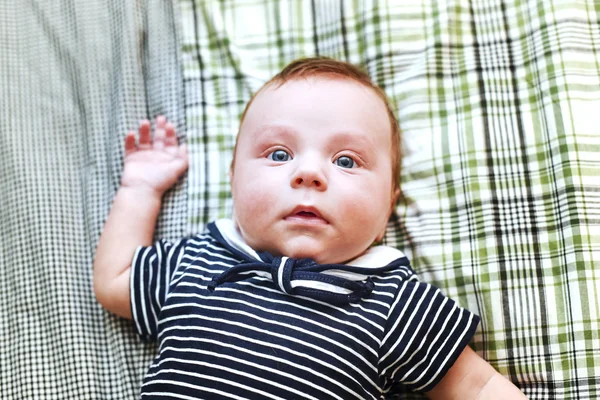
{"x": 280, "y": 274}
{"x": 267, "y": 356}
{"x": 254, "y": 365}
{"x": 378, "y": 302}
{"x": 157, "y": 256}
{"x": 196, "y": 285}
{"x": 133, "y": 288}
{"x": 323, "y": 303}
{"x": 199, "y": 270}
{"x": 443, "y": 364}
{"x": 179, "y": 250}
{"x": 383, "y": 293}
{"x": 328, "y": 287}
{"x": 195, "y": 252}
{"x": 399, "y": 273}
{"x": 297, "y": 283}
{"x": 166, "y": 277}
{"x": 286, "y": 337}
{"x": 429, "y": 349}
{"x": 392, "y": 330}
{"x": 201, "y": 240}
{"x": 309, "y": 321}
{"x": 143, "y": 293}
{"x": 392, "y": 285}
{"x": 213, "y": 378}
{"x": 276, "y": 322}
{"x": 413, "y": 337}
{"x": 182, "y": 251}
{"x": 224, "y": 266}
{"x": 366, "y": 310}
{"x": 233, "y": 372}
{"x": 351, "y": 276}
{"x": 206, "y": 261}
{"x": 284, "y": 349}
{"x": 182, "y": 396}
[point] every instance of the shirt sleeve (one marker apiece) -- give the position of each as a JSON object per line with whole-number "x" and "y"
{"x": 152, "y": 269}
{"x": 425, "y": 334}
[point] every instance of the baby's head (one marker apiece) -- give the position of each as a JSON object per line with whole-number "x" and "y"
{"x": 316, "y": 166}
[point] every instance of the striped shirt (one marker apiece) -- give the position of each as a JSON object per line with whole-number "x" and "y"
{"x": 236, "y": 324}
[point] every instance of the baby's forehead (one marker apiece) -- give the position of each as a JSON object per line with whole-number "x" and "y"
{"x": 317, "y": 81}
{"x": 320, "y": 102}
{"x": 336, "y": 88}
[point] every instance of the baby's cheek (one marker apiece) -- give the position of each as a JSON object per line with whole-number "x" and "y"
{"x": 359, "y": 205}
{"x": 252, "y": 205}
{"x": 366, "y": 212}
{"x": 261, "y": 204}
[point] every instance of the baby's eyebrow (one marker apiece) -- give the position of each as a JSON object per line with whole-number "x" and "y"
{"x": 357, "y": 141}
{"x": 279, "y": 131}
{"x": 359, "y": 138}
{"x": 269, "y": 132}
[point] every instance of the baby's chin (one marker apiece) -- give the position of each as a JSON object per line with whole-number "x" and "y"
{"x": 306, "y": 246}
{"x": 317, "y": 253}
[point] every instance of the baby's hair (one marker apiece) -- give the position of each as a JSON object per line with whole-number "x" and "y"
{"x": 335, "y": 69}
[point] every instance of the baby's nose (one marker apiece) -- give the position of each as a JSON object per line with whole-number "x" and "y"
{"x": 309, "y": 175}
{"x": 302, "y": 181}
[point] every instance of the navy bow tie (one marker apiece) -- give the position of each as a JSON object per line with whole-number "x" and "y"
{"x": 288, "y": 274}
{"x": 303, "y": 277}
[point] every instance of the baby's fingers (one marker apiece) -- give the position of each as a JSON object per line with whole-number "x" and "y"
{"x": 130, "y": 143}
{"x": 159, "y": 132}
{"x": 145, "y": 139}
{"x": 170, "y": 135}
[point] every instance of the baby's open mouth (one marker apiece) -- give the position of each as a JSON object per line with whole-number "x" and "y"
{"x": 306, "y": 215}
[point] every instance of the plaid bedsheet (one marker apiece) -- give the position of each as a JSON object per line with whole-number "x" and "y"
{"x": 498, "y": 102}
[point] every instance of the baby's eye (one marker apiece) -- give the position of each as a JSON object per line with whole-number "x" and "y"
{"x": 279, "y": 155}
{"x": 345, "y": 162}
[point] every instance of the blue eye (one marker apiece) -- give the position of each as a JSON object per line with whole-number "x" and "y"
{"x": 345, "y": 162}
{"x": 279, "y": 156}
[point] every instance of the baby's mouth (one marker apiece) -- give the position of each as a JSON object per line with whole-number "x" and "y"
{"x": 306, "y": 215}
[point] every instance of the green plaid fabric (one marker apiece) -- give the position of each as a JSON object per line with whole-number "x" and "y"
{"x": 499, "y": 105}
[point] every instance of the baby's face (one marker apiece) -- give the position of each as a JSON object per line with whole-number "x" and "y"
{"x": 312, "y": 176}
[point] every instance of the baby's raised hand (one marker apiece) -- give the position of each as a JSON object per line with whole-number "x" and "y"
{"x": 154, "y": 163}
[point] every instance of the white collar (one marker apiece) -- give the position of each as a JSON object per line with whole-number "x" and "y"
{"x": 374, "y": 257}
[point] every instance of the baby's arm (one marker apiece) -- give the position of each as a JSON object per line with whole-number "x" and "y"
{"x": 149, "y": 170}
{"x": 471, "y": 377}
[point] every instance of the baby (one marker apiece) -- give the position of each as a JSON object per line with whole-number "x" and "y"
{"x": 290, "y": 299}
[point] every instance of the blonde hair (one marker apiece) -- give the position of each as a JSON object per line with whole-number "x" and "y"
{"x": 330, "y": 68}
